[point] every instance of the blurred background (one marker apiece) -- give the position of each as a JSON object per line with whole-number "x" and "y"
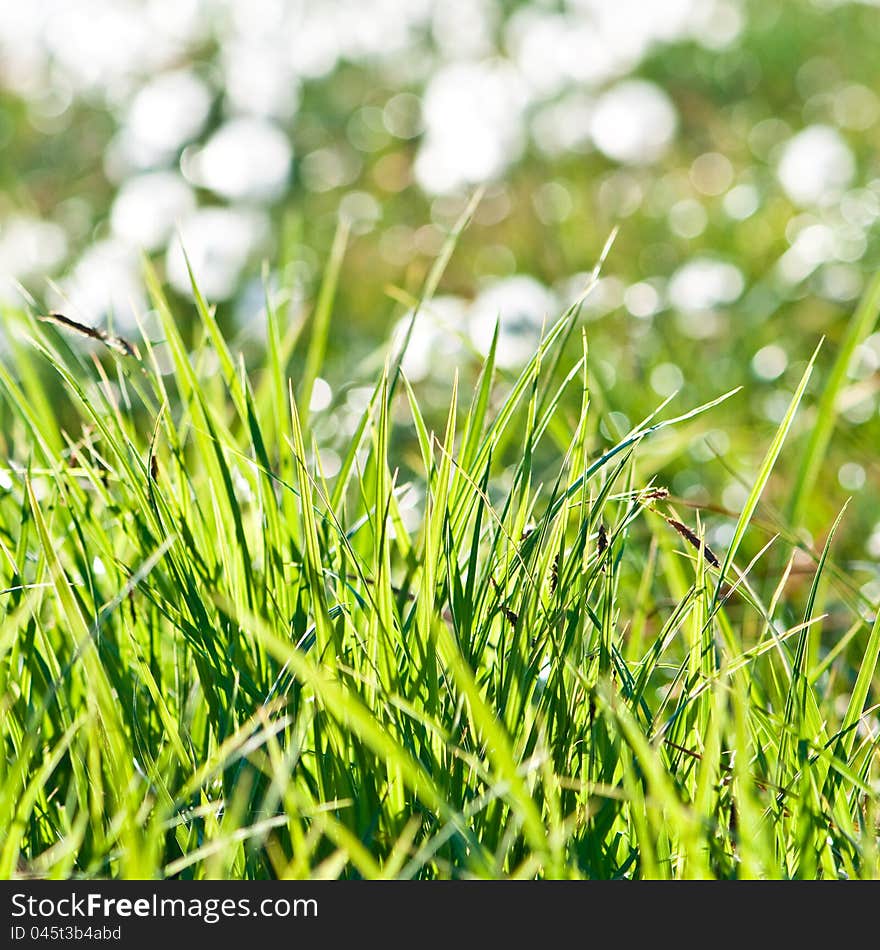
{"x": 734, "y": 144}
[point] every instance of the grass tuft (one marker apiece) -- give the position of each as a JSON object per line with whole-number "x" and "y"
{"x": 217, "y": 661}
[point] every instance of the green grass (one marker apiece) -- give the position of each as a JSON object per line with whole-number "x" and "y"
{"x": 217, "y": 662}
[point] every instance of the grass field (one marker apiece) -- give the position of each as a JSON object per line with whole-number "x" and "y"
{"x": 491, "y": 645}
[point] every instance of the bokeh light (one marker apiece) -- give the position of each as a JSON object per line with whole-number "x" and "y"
{"x": 733, "y": 143}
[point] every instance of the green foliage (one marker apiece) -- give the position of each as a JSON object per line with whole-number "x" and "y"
{"x": 217, "y": 662}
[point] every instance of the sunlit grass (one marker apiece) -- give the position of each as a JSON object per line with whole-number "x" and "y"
{"x": 216, "y": 662}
